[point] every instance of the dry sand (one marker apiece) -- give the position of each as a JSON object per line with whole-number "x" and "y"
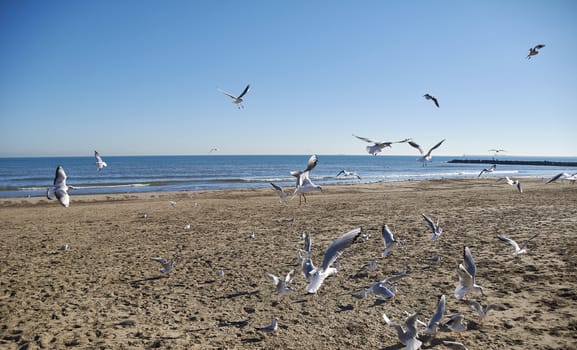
{"x": 106, "y": 293}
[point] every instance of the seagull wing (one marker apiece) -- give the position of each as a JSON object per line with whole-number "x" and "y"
{"x": 556, "y": 177}
{"x": 476, "y": 306}
{"x": 338, "y": 247}
{"x": 430, "y": 222}
{"x": 540, "y": 46}
{"x": 417, "y": 146}
{"x": 308, "y": 243}
{"x": 228, "y": 94}
{"x": 341, "y": 172}
{"x": 527, "y": 241}
{"x": 436, "y": 146}
{"x": 511, "y": 242}
{"x": 244, "y": 92}
{"x": 364, "y": 139}
{"x": 60, "y": 176}
{"x": 163, "y": 261}
{"x": 313, "y": 160}
{"x": 435, "y": 101}
{"x": 469, "y": 262}
{"x": 277, "y": 188}
{"x": 438, "y": 315}
{"x": 62, "y": 196}
{"x": 387, "y": 236}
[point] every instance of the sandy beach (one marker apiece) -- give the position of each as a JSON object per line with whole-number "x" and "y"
{"x": 105, "y": 292}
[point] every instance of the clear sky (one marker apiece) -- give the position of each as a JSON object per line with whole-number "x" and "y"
{"x": 141, "y": 77}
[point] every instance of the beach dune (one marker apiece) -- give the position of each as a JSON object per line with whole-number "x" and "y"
{"x": 105, "y": 292}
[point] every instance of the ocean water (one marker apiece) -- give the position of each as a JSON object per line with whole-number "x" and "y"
{"x": 22, "y": 177}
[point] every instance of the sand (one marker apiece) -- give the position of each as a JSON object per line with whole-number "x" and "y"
{"x": 106, "y": 293}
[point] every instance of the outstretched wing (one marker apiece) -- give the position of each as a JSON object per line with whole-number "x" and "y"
{"x": 436, "y": 146}
{"x": 364, "y": 139}
{"x": 417, "y": 146}
{"x": 244, "y": 91}
{"x": 313, "y": 160}
{"x": 338, "y": 247}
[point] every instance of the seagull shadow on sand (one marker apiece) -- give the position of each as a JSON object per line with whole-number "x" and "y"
{"x": 137, "y": 283}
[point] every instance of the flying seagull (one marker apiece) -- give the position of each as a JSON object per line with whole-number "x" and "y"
{"x": 384, "y": 289}
{"x": 563, "y": 176}
{"x": 433, "y": 98}
{"x": 60, "y": 190}
{"x": 482, "y": 311}
{"x": 237, "y": 100}
{"x": 456, "y": 322}
{"x": 434, "y": 227}
{"x": 514, "y": 183}
{"x": 438, "y": 315}
{"x": 280, "y": 191}
{"x": 167, "y": 265}
{"x": 377, "y": 147}
{"x": 518, "y": 249}
{"x": 466, "y": 273}
{"x": 332, "y": 253}
{"x": 304, "y": 183}
{"x": 488, "y": 170}
{"x": 388, "y": 239}
{"x": 497, "y": 150}
{"x": 282, "y": 285}
{"x": 406, "y": 337}
{"x": 425, "y": 156}
{"x": 348, "y": 174}
{"x": 535, "y": 50}
{"x": 100, "y": 164}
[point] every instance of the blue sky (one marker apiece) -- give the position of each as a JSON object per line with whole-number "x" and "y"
{"x": 137, "y": 77}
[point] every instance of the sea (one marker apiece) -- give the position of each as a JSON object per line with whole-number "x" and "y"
{"x": 24, "y": 177}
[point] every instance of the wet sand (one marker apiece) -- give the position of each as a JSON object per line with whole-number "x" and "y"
{"x": 106, "y": 293}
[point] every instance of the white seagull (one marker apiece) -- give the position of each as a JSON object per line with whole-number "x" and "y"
{"x": 438, "y": 315}
{"x": 377, "y": 147}
{"x": 304, "y": 183}
{"x": 466, "y": 273}
{"x": 516, "y": 183}
{"x": 518, "y": 249}
{"x": 563, "y": 176}
{"x": 388, "y": 240}
{"x": 434, "y": 227}
{"x": 406, "y": 337}
{"x": 348, "y": 174}
{"x": 282, "y": 285}
{"x": 100, "y": 164}
{"x": 456, "y": 322}
{"x": 167, "y": 265}
{"x": 425, "y": 156}
{"x": 488, "y": 170}
{"x": 534, "y": 50}
{"x": 482, "y": 311}
{"x": 60, "y": 190}
{"x": 385, "y": 289}
{"x": 282, "y": 194}
{"x": 237, "y": 100}
{"x": 332, "y": 253}
{"x": 434, "y": 99}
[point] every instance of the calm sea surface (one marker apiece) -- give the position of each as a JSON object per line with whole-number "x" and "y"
{"x": 22, "y": 177}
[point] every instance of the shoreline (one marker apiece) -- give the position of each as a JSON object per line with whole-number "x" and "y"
{"x": 513, "y": 162}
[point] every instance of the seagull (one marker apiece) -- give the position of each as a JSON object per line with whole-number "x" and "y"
{"x": 332, "y": 253}
{"x": 513, "y": 183}
{"x": 167, "y": 265}
{"x": 280, "y": 191}
{"x": 385, "y": 289}
{"x": 172, "y": 203}
{"x": 466, "y": 273}
{"x": 271, "y": 327}
{"x": 304, "y": 183}
{"x": 214, "y": 149}
{"x": 518, "y": 249}
{"x": 434, "y": 227}
{"x": 348, "y": 174}
{"x": 377, "y": 147}
{"x": 406, "y": 337}
{"x": 563, "y": 176}
{"x": 388, "y": 239}
{"x": 220, "y": 272}
{"x": 64, "y": 248}
{"x": 100, "y": 164}
{"x": 454, "y": 345}
{"x": 436, "y": 318}
{"x": 482, "y": 311}
{"x": 60, "y": 190}
{"x": 535, "y": 50}
{"x": 488, "y": 170}
{"x": 307, "y": 268}
{"x": 281, "y": 286}
{"x": 425, "y": 156}
{"x": 456, "y": 322}
{"x": 497, "y": 150}
{"x": 237, "y": 100}
{"x": 434, "y": 99}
